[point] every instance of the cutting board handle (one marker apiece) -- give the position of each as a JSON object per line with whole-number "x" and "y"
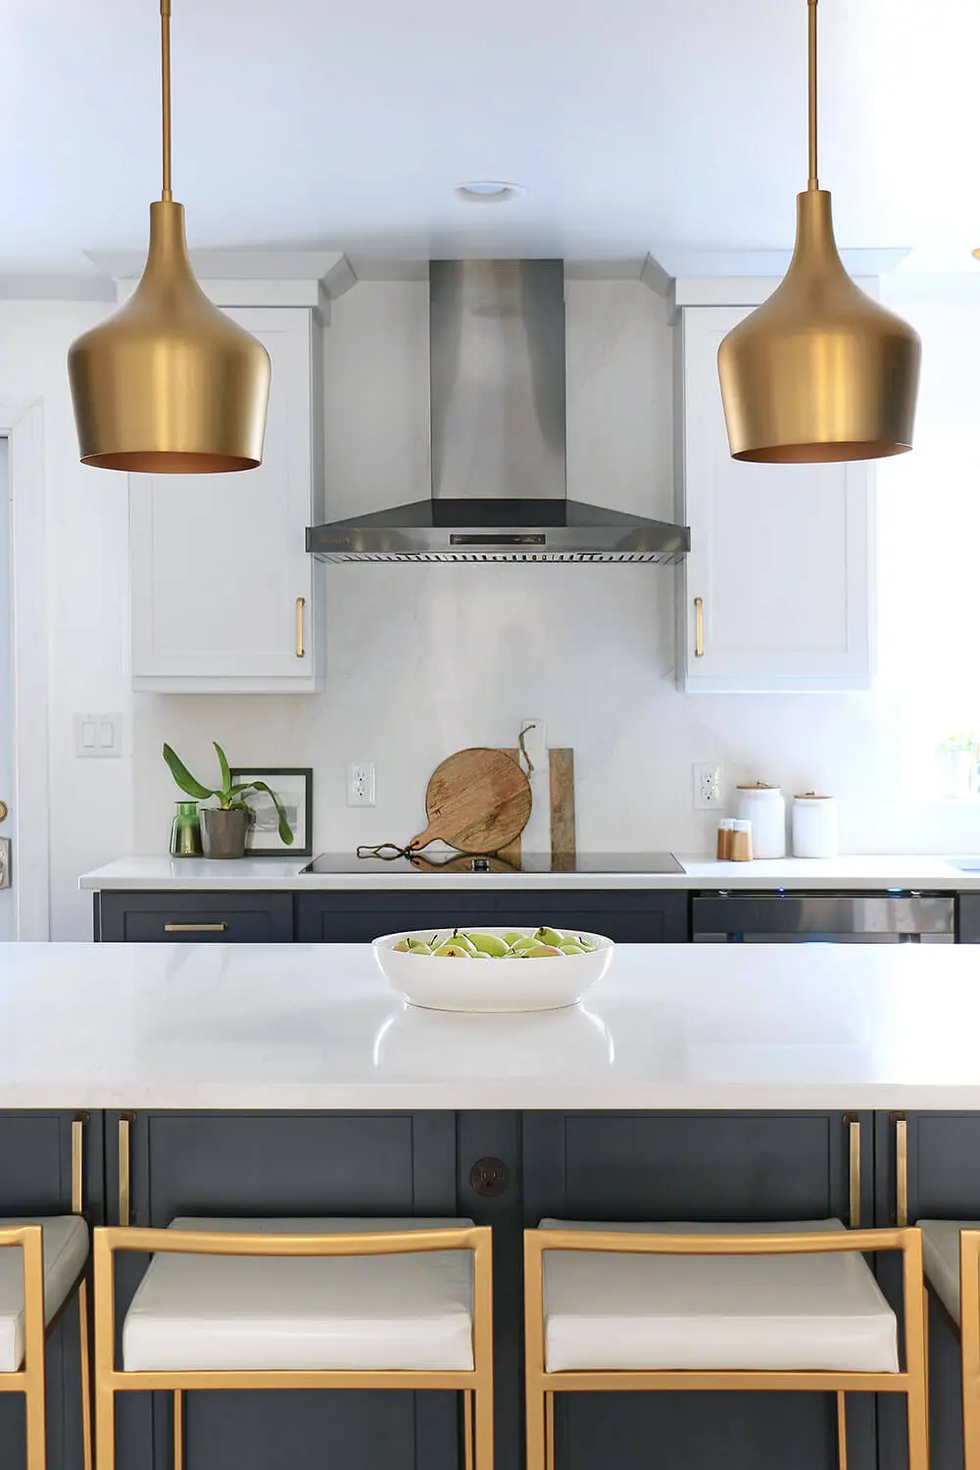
{"x": 431, "y": 834}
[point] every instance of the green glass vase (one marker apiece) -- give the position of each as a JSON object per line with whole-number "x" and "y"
{"x": 185, "y": 831}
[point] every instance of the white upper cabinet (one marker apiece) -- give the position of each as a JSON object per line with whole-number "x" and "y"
{"x": 224, "y": 593}
{"x": 780, "y": 565}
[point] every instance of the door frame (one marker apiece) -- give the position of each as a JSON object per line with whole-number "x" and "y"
{"x": 22, "y": 425}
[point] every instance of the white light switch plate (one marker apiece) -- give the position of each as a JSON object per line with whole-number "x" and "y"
{"x": 98, "y": 736}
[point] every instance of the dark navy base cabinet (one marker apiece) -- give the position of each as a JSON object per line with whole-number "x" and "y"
{"x": 628, "y": 916}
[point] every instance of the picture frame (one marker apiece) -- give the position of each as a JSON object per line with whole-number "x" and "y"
{"x": 294, "y": 787}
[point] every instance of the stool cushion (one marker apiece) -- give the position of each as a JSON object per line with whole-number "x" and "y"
{"x": 714, "y": 1312}
{"x": 941, "y": 1258}
{"x": 237, "y": 1313}
{"x": 65, "y": 1240}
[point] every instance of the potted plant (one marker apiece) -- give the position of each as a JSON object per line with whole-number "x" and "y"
{"x": 224, "y": 827}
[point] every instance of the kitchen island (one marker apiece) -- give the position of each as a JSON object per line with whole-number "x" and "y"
{"x": 696, "y": 1082}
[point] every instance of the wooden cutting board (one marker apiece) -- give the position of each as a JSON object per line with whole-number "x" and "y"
{"x": 478, "y": 800}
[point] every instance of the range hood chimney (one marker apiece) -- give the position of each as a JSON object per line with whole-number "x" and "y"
{"x": 497, "y": 387}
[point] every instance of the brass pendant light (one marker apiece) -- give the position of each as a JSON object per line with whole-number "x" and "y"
{"x": 169, "y": 384}
{"x": 819, "y": 372}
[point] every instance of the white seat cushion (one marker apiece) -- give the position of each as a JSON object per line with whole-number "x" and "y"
{"x": 65, "y": 1253}
{"x": 714, "y": 1312}
{"x": 229, "y": 1313}
{"x": 941, "y": 1258}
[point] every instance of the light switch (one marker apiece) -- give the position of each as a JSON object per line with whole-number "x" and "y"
{"x": 98, "y": 735}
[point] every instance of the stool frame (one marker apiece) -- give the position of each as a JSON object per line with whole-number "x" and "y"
{"x": 476, "y": 1384}
{"x": 541, "y": 1386}
{"x": 29, "y": 1379}
{"x": 969, "y": 1330}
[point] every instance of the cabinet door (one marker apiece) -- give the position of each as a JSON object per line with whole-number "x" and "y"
{"x": 286, "y": 1164}
{"x": 635, "y": 916}
{"x": 224, "y": 593}
{"x": 780, "y": 554}
{"x": 943, "y": 1182}
{"x": 709, "y": 1167}
{"x": 35, "y": 1179}
{"x": 197, "y": 918}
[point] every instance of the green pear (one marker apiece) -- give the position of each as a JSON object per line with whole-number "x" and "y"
{"x": 451, "y": 950}
{"x": 458, "y": 937}
{"x": 513, "y": 935}
{"x": 544, "y": 935}
{"x": 523, "y": 945}
{"x": 569, "y": 946}
{"x": 422, "y": 945}
{"x": 480, "y": 954}
{"x": 403, "y": 946}
{"x": 542, "y": 952}
{"x": 421, "y": 949}
{"x": 488, "y": 944}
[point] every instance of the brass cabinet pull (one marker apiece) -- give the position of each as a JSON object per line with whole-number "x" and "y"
{"x": 699, "y": 627}
{"x": 901, "y": 1169}
{"x": 300, "y": 650}
{"x": 125, "y": 1120}
{"x": 78, "y": 1162}
{"x": 194, "y": 928}
{"x": 853, "y": 1126}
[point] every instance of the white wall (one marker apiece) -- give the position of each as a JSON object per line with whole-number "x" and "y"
{"x": 425, "y": 660}
{"x": 86, "y": 520}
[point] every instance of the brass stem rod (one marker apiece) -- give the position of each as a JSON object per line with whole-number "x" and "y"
{"x": 811, "y": 10}
{"x": 167, "y": 194}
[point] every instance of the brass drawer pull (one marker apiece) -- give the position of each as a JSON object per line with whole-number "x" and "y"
{"x": 853, "y": 1126}
{"x": 699, "y": 627}
{"x": 300, "y": 650}
{"x": 123, "y": 1134}
{"x": 901, "y": 1169}
{"x": 194, "y": 928}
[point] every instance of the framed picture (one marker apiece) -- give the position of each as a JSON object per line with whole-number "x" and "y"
{"x": 294, "y": 787}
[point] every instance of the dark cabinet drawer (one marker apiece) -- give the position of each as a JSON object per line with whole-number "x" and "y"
{"x": 630, "y": 916}
{"x": 198, "y": 918}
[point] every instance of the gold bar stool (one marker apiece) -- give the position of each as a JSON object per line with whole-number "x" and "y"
{"x": 750, "y": 1307}
{"x": 42, "y": 1267}
{"x": 273, "y": 1304}
{"x": 951, "y": 1252}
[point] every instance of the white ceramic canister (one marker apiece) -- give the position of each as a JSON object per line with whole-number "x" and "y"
{"x": 765, "y": 808}
{"x": 814, "y": 826}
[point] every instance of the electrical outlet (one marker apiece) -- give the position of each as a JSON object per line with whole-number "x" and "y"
{"x": 360, "y": 783}
{"x": 707, "y": 787}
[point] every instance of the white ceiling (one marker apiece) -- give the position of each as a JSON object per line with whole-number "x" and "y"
{"x": 633, "y": 126}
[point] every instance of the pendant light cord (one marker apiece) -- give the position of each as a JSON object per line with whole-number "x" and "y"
{"x": 167, "y": 194}
{"x": 811, "y": 9}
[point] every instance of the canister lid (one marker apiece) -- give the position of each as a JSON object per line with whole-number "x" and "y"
{"x": 811, "y": 796}
{"x": 757, "y": 786}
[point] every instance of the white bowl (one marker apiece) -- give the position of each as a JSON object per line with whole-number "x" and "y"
{"x": 444, "y": 984}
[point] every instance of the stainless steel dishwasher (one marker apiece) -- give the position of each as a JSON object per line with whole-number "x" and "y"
{"x": 824, "y": 918}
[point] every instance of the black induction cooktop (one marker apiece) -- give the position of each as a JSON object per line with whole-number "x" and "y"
{"x": 442, "y": 861}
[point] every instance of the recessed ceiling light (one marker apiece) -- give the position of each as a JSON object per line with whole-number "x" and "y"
{"x": 487, "y": 191}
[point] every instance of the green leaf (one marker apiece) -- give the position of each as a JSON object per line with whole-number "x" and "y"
{"x": 285, "y": 831}
{"x": 183, "y": 777}
{"x": 225, "y": 771}
{"x": 241, "y": 786}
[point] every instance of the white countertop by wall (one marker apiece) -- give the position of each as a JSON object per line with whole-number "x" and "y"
{"x": 672, "y": 1026}
{"x": 264, "y": 874}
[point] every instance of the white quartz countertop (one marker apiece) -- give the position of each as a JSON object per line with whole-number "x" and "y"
{"x": 671, "y": 1026}
{"x": 265, "y": 874}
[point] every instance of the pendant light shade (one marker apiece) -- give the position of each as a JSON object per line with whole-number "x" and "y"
{"x": 169, "y": 384}
{"x": 819, "y": 372}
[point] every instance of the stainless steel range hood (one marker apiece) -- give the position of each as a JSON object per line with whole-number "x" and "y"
{"x": 497, "y": 387}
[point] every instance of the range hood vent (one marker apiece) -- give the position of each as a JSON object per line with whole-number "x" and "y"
{"x": 497, "y": 387}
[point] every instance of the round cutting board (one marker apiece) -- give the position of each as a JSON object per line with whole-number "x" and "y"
{"x": 478, "y": 800}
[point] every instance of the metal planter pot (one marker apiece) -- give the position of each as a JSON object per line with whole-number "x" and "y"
{"x": 223, "y": 833}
